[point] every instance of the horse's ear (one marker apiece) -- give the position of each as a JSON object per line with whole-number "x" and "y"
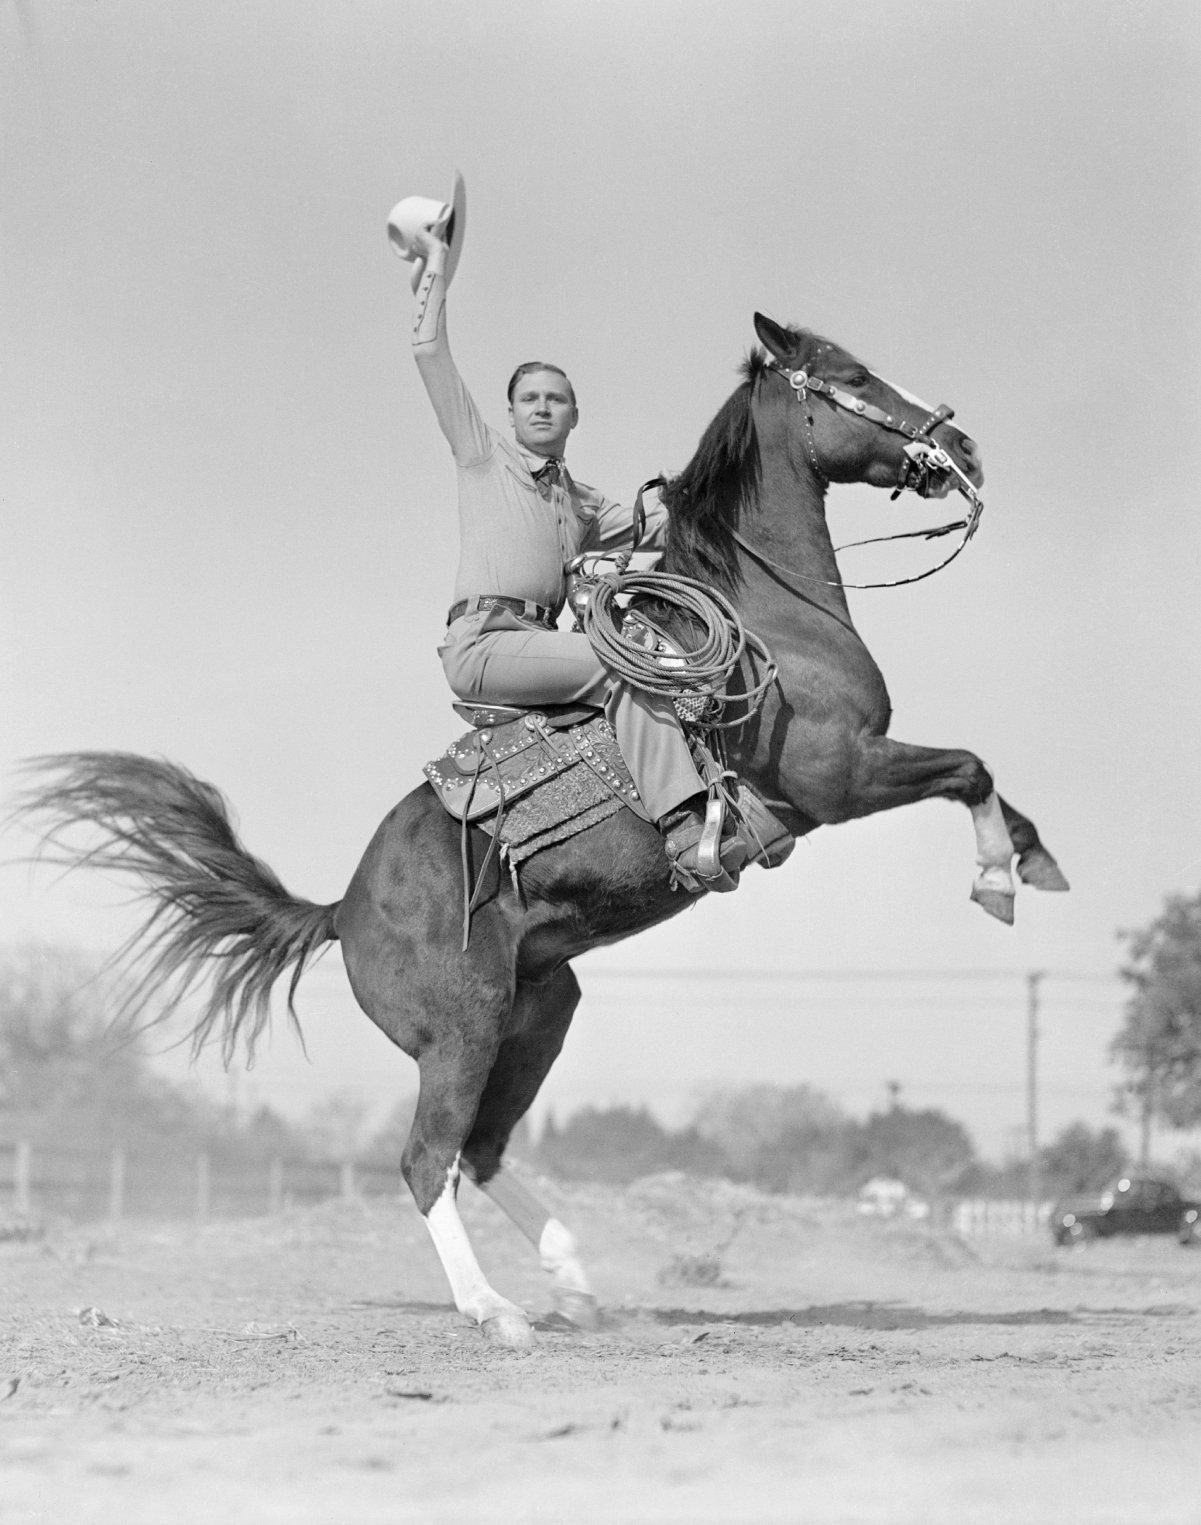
{"x": 781, "y": 343}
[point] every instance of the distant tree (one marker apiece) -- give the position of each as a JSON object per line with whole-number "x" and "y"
{"x": 65, "y": 1073}
{"x": 386, "y": 1144}
{"x": 1079, "y": 1159}
{"x": 71, "y": 1079}
{"x": 266, "y": 1135}
{"x": 1160, "y": 1044}
{"x": 929, "y": 1151}
{"x": 816, "y": 1160}
{"x": 336, "y": 1127}
{"x": 619, "y": 1144}
{"x": 750, "y": 1124}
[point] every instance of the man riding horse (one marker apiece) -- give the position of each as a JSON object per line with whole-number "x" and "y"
{"x": 485, "y": 1022}
{"x": 522, "y": 518}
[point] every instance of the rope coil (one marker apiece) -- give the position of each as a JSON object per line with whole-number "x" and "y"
{"x": 684, "y": 674}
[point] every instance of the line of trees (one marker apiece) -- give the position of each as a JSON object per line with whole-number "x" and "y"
{"x": 70, "y": 1078}
{"x": 795, "y": 1139}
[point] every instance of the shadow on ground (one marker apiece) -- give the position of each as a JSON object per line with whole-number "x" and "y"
{"x": 859, "y": 1316}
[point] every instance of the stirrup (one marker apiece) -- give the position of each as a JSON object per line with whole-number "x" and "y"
{"x": 708, "y": 852}
{"x": 684, "y": 834}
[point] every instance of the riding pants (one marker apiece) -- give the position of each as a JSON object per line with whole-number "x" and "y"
{"x": 490, "y": 656}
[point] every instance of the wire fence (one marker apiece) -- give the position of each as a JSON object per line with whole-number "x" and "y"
{"x": 43, "y": 1182}
{"x": 80, "y": 1185}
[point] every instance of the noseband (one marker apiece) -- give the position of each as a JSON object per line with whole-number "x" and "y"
{"x": 923, "y": 462}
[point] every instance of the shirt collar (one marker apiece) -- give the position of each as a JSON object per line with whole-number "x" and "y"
{"x": 534, "y": 463}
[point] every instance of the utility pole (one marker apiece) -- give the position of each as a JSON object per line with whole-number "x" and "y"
{"x": 1034, "y": 1178}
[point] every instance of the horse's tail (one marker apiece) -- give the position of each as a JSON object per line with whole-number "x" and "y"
{"x": 218, "y": 918}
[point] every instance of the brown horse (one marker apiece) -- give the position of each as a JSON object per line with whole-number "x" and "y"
{"x": 748, "y": 515}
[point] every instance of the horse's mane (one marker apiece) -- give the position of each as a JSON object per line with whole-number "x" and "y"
{"x": 707, "y": 500}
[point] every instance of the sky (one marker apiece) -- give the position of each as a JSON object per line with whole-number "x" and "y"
{"x": 227, "y": 530}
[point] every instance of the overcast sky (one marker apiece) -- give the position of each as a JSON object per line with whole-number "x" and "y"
{"x": 227, "y": 526}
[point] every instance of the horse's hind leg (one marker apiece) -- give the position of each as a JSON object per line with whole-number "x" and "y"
{"x": 451, "y": 1085}
{"x": 401, "y": 930}
{"x": 541, "y": 1017}
{"x": 1036, "y": 866}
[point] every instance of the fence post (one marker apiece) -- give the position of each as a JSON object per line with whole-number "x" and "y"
{"x": 203, "y": 1186}
{"x": 23, "y": 1176}
{"x": 347, "y": 1180}
{"x": 275, "y": 1187}
{"x": 116, "y": 1185}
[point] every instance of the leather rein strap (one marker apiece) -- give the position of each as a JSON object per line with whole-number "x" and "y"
{"x": 924, "y": 457}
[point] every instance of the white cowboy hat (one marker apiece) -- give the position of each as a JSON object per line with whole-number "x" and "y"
{"x": 446, "y": 218}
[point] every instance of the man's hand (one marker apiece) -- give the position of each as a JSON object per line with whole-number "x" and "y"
{"x": 427, "y": 240}
{"x": 432, "y": 250}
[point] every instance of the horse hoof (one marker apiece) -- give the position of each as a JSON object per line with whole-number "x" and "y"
{"x": 1040, "y": 870}
{"x": 578, "y": 1308}
{"x": 998, "y": 903}
{"x": 510, "y": 1328}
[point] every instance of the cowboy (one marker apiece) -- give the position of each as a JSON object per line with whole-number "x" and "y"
{"x": 522, "y": 518}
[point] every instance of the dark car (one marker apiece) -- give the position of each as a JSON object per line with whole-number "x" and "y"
{"x": 1133, "y": 1204}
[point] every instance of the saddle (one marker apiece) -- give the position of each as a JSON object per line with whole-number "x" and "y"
{"x": 543, "y": 775}
{"x": 511, "y": 752}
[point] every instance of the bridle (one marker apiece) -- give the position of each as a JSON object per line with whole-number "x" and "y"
{"x": 923, "y": 462}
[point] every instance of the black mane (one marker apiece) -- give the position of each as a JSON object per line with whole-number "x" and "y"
{"x": 707, "y": 500}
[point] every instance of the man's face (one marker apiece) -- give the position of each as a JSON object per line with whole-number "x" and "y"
{"x": 542, "y": 412}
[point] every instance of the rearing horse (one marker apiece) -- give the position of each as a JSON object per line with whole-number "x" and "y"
{"x": 485, "y": 1024}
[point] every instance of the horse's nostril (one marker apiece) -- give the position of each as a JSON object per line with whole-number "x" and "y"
{"x": 970, "y": 448}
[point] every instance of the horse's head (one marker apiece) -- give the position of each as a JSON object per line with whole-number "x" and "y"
{"x": 853, "y": 426}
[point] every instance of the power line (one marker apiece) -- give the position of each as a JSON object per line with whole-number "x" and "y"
{"x": 779, "y": 976}
{"x": 589, "y": 973}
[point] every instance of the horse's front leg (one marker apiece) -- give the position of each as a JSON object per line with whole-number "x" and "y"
{"x": 892, "y": 773}
{"x": 541, "y": 1014}
{"x": 993, "y": 885}
{"x": 1036, "y": 866}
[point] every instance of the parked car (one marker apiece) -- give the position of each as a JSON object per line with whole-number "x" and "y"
{"x": 885, "y": 1197}
{"x": 1133, "y": 1204}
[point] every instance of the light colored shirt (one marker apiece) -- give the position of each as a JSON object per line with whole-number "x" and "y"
{"x": 512, "y": 540}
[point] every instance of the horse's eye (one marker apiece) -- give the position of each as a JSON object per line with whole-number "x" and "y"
{"x": 859, "y": 379}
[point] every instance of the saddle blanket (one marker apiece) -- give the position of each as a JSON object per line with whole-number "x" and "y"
{"x": 547, "y": 782}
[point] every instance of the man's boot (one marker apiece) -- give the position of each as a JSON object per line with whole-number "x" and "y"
{"x": 693, "y": 869}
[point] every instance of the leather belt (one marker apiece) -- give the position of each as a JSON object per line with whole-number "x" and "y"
{"x": 524, "y": 608}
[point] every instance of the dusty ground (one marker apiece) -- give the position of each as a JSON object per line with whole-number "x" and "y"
{"x": 309, "y": 1369}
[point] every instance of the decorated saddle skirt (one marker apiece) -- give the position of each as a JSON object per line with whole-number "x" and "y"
{"x": 536, "y": 779}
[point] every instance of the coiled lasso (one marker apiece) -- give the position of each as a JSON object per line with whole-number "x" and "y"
{"x": 695, "y": 678}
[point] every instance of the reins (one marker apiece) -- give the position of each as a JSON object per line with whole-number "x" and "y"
{"x": 923, "y": 460}
{"x": 704, "y": 671}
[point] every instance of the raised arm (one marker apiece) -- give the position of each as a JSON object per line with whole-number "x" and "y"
{"x": 469, "y": 437}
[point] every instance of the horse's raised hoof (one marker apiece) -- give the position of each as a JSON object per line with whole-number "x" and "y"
{"x": 578, "y": 1308}
{"x": 998, "y": 903}
{"x": 1040, "y": 870}
{"x": 509, "y": 1328}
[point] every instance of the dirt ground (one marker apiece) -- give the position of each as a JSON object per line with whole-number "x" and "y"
{"x": 817, "y": 1368}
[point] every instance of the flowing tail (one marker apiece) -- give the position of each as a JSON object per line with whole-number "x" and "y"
{"x": 219, "y": 924}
